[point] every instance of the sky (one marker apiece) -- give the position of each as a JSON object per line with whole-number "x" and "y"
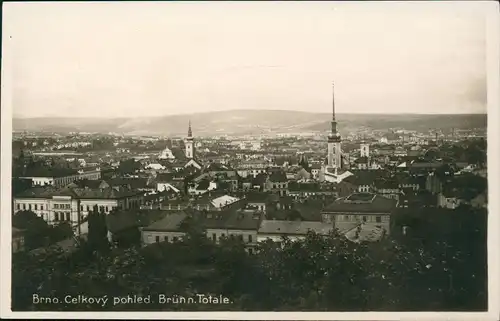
{"x": 116, "y": 59}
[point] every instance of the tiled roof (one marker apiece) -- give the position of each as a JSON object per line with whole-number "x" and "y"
{"x": 122, "y": 220}
{"x": 362, "y": 203}
{"x": 170, "y": 222}
{"x": 242, "y": 221}
{"x": 293, "y": 227}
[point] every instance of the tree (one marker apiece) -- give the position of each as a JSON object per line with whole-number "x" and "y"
{"x": 35, "y": 229}
{"x": 98, "y": 232}
{"x": 441, "y": 266}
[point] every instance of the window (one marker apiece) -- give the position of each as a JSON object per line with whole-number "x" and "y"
{"x": 29, "y": 207}
{"x": 36, "y": 207}
{"x": 157, "y": 238}
{"x": 88, "y": 208}
{"x": 81, "y": 208}
{"x": 214, "y": 237}
{"x": 107, "y": 209}
{"x": 67, "y": 206}
{"x": 68, "y": 216}
{"x": 41, "y": 207}
{"x": 249, "y": 238}
{"x": 56, "y": 216}
{"x": 378, "y": 219}
{"x": 56, "y": 206}
{"x": 240, "y": 237}
{"x": 364, "y": 218}
{"x": 24, "y": 206}
{"x": 346, "y": 217}
{"x": 165, "y": 238}
{"x": 18, "y": 206}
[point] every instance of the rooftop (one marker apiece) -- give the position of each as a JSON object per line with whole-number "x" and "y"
{"x": 171, "y": 222}
{"x": 362, "y": 203}
{"x": 294, "y": 227}
{"x": 122, "y": 220}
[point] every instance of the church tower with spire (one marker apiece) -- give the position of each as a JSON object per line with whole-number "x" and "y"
{"x": 334, "y": 141}
{"x": 189, "y": 143}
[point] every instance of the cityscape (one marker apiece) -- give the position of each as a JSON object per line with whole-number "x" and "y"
{"x": 241, "y": 209}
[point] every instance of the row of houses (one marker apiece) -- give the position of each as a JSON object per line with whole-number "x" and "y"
{"x": 359, "y": 211}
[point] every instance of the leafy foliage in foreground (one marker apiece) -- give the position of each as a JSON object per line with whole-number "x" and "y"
{"x": 440, "y": 266}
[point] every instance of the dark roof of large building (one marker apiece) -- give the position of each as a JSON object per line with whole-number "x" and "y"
{"x": 50, "y": 172}
{"x": 105, "y": 193}
{"x": 76, "y": 192}
{"x": 171, "y": 222}
{"x": 45, "y": 192}
{"x": 122, "y": 220}
{"x": 362, "y": 203}
{"x": 230, "y": 219}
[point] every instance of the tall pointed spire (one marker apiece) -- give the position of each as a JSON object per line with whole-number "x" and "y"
{"x": 333, "y": 101}
{"x": 190, "y": 133}
{"x": 334, "y": 122}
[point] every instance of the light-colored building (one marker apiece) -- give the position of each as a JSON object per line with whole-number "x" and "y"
{"x": 167, "y": 229}
{"x": 73, "y": 204}
{"x": 360, "y": 209}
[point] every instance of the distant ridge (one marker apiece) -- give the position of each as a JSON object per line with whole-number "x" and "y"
{"x": 245, "y": 121}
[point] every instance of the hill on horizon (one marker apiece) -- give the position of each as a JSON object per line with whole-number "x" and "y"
{"x": 240, "y": 122}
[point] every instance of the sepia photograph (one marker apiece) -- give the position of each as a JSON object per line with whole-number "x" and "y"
{"x": 302, "y": 160}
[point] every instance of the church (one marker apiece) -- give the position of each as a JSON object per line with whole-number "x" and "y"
{"x": 189, "y": 150}
{"x": 334, "y": 171}
{"x": 182, "y": 159}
